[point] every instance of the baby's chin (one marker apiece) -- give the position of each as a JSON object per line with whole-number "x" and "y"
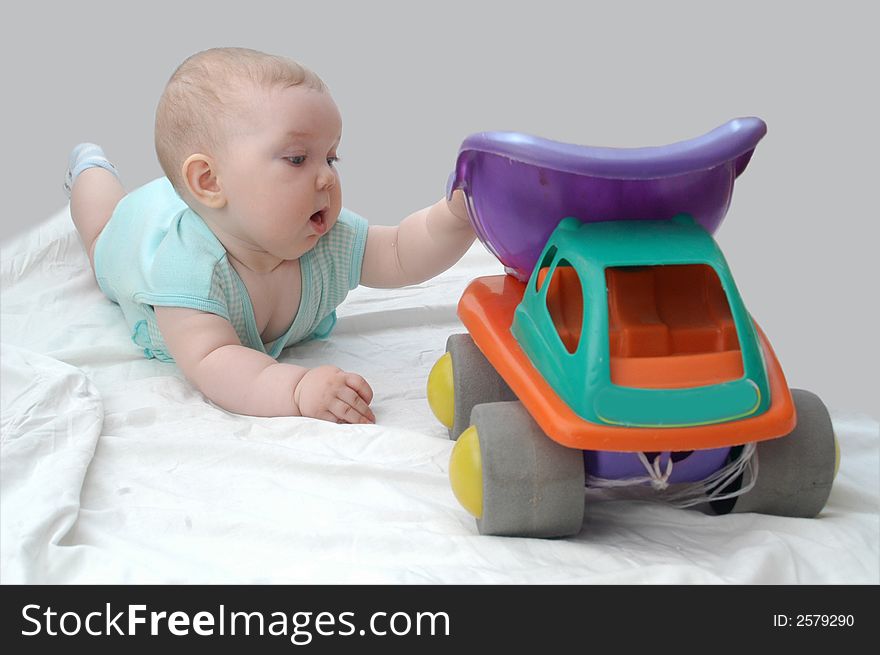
{"x": 309, "y": 240}
{"x": 300, "y": 249}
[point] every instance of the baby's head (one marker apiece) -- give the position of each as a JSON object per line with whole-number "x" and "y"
{"x": 249, "y": 141}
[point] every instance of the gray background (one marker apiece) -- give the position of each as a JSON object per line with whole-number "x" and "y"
{"x": 413, "y": 79}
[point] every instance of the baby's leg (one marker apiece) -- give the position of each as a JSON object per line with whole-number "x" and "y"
{"x": 95, "y": 190}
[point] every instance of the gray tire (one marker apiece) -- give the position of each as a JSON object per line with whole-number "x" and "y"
{"x": 474, "y": 381}
{"x": 532, "y": 486}
{"x": 795, "y": 472}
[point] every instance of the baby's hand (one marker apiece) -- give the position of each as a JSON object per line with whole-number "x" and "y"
{"x": 458, "y": 206}
{"x": 329, "y": 393}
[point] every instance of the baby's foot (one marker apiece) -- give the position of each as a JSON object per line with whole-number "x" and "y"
{"x": 82, "y": 157}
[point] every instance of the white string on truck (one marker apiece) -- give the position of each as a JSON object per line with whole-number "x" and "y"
{"x": 688, "y": 494}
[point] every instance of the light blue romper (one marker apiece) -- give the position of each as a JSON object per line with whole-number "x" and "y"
{"x": 155, "y": 250}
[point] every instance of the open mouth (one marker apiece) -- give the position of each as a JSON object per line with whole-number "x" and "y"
{"x": 319, "y": 222}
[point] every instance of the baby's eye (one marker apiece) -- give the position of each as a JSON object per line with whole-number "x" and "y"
{"x": 332, "y": 160}
{"x": 296, "y": 160}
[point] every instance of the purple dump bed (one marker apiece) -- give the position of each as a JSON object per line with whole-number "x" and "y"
{"x": 519, "y": 187}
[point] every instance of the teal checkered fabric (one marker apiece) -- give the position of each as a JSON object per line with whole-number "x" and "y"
{"x": 156, "y": 251}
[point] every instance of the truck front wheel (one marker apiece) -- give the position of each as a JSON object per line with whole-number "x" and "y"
{"x": 795, "y": 472}
{"x": 528, "y": 486}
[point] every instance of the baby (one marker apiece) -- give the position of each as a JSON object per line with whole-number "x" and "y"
{"x": 244, "y": 248}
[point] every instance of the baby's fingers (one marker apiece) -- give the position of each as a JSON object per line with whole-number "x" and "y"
{"x": 350, "y": 397}
{"x": 356, "y": 382}
{"x": 354, "y": 413}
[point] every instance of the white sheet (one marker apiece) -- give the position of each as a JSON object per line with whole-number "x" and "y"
{"x": 114, "y": 469}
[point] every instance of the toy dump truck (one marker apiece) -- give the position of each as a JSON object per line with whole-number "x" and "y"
{"x": 616, "y": 351}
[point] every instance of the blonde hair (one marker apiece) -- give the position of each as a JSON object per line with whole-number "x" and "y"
{"x": 208, "y": 92}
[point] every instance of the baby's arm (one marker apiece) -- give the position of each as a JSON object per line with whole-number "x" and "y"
{"x": 425, "y": 244}
{"x": 245, "y": 381}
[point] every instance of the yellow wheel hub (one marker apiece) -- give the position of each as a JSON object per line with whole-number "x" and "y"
{"x": 466, "y": 472}
{"x": 836, "y": 457}
{"x": 440, "y": 392}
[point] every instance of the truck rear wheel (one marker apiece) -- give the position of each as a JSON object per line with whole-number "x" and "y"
{"x": 474, "y": 381}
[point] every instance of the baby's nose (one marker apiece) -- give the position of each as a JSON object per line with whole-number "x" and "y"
{"x": 326, "y": 179}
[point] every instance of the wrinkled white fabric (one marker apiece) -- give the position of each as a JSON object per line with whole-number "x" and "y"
{"x": 115, "y": 470}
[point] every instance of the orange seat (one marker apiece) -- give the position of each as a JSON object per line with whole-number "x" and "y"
{"x": 668, "y": 326}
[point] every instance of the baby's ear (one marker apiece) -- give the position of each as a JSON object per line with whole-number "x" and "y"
{"x": 201, "y": 181}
